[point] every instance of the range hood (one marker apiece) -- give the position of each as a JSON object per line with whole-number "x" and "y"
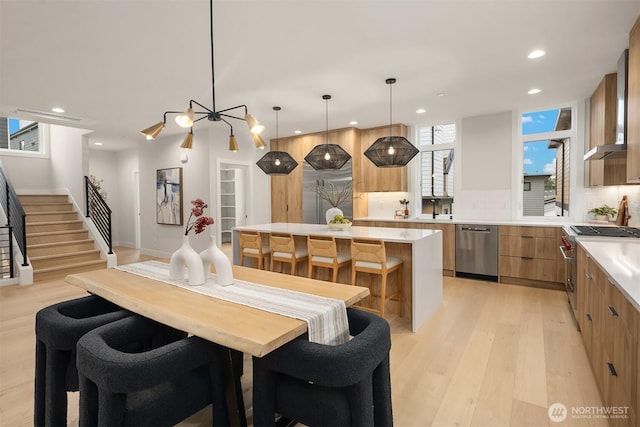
{"x": 617, "y": 148}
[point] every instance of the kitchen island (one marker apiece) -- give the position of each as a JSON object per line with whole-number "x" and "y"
{"x": 420, "y": 251}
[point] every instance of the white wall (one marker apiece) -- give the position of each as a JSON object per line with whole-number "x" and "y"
{"x": 125, "y": 215}
{"x": 69, "y": 164}
{"x": 483, "y": 172}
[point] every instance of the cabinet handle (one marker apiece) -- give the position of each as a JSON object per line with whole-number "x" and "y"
{"x": 526, "y": 257}
{"x": 527, "y": 237}
{"x": 613, "y": 311}
{"x": 589, "y": 317}
{"x": 588, "y": 276}
{"x": 612, "y": 370}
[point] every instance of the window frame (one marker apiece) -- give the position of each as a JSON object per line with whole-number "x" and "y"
{"x": 518, "y": 171}
{"x": 416, "y": 194}
{"x": 43, "y": 142}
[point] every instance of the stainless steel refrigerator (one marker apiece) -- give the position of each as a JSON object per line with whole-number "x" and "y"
{"x": 313, "y": 207}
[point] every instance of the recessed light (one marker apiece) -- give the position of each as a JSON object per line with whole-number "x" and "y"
{"x": 441, "y": 94}
{"x": 536, "y": 54}
{"x": 97, "y": 143}
{"x": 297, "y": 132}
{"x": 57, "y": 110}
{"x": 533, "y": 91}
{"x": 353, "y": 123}
{"x": 421, "y": 111}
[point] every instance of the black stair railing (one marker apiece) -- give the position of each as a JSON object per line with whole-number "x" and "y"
{"x": 98, "y": 210}
{"x": 16, "y": 218}
{"x": 6, "y": 253}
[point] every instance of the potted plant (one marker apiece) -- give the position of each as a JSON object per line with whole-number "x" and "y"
{"x": 335, "y": 197}
{"x": 405, "y": 206}
{"x": 604, "y": 212}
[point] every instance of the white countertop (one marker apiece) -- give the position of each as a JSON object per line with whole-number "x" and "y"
{"x": 401, "y": 235}
{"x": 620, "y": 259}
{"x": 444, "y": 219}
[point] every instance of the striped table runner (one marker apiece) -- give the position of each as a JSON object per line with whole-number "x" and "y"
{"x": 326, "y": 317}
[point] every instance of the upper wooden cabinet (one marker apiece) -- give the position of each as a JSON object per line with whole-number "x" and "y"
{"x": 633, "y": 106}
{"x": 602, "y": 130}
{"x": 286, "y": 191}
{"x": 373, "y": 178}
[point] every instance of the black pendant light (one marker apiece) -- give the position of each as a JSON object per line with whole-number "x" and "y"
{"x": 277, "y": 162}
{"x": 327, "y": 156}
{"x": 391, "y": 151}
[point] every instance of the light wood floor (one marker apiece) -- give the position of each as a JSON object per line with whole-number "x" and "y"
{"x": 493, "y": 355}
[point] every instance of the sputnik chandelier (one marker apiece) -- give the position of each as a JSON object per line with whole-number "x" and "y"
{"x": 187, "y": 118}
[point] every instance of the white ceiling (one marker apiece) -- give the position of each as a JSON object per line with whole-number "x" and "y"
{"x": 118, "y": 65}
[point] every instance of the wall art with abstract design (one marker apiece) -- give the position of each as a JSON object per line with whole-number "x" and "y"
{"x": 169, "y": 196}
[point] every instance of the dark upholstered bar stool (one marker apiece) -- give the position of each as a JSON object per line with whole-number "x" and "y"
{"x": 58, "y": 329}
{"x": 169, "y": 379}
{"x": 322, "y": 385}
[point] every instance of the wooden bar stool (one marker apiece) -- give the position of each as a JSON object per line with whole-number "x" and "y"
{"x": 369, "y": 256}
{"x": 283, "y": 249}
{"x": 251, "y": 246}
{"x": 323, "y": 252}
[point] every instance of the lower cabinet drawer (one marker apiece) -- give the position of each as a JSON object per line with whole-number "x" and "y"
{"x": 528, "y": 268}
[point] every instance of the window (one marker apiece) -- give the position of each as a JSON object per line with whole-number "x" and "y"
{"x": 436, "y": 144}
{"x": 19, "y": 135}
{"x": 546, "y": 149}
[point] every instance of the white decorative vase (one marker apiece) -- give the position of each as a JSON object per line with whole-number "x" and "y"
{"x": 187, "y": 257}
{"x": 332, "y": 212}
{"x": 222, "y": 264}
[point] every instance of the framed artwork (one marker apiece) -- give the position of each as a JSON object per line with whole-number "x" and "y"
{"x": 169, "y": 196}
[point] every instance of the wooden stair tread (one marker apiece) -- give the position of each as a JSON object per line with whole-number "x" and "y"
{"x": 68, "y": 242}
{"x": 56, "y": 233}
{"x": 63, "y": 255}
{"x": 70, "y": 265}
{"x": 69, "y": 221}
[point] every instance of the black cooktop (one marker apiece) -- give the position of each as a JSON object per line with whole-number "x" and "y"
{"x": 587, "y": 230}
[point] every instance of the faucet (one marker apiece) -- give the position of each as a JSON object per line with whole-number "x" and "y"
{"x": 433, "y": 204}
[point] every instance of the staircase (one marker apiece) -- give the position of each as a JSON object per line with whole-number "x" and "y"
{"x": 57, "y": 243}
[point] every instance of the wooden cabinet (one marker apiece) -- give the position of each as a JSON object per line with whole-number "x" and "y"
{"x": 373, "y": 178}
{"x": 530, "y": 256}
{"x": 609, "y": 325}
{"x": 448, "y": 238}
{"x": 286, "y": 191}
{"x": 633, "y": 106}
{"x": 602, "y": 130}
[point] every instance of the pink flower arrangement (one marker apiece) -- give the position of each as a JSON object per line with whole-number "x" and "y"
{"x": 199, "y": 221}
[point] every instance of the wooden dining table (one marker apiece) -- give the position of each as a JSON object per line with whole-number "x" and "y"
{"x": 239, "y": 328}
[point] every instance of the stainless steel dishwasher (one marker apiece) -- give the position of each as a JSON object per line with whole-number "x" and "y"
{"x": 477, "y": 251}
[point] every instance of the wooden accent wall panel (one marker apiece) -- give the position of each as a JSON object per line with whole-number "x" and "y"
{"x": 633, "y": 106}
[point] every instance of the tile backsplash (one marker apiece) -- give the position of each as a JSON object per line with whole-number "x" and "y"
{"x": 594, "y": 197}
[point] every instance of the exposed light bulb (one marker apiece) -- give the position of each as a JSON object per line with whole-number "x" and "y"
{"x": 185, "y": 120}
{"x": 327, "y": 156}
{"x": 391, "y": 150}
{"x": 277, "y": 162}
